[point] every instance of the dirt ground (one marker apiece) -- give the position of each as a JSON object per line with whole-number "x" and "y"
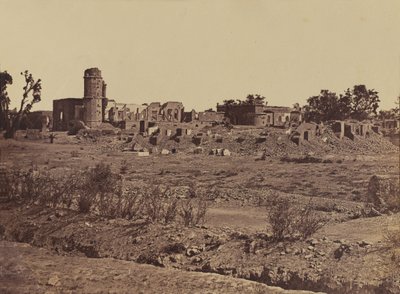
{"x": 234, "y": 239}
{"x": 26, "y": 269}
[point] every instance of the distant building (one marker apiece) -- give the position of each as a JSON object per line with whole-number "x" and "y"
{"x": 211, "y": 117}
{"x": 117, "y": 112}
{"x": 260, "y": 115}
{"x": 40, "y": 119}
{"x": 65, "y": 111}
{"x": 90, "y": 109}
{"x": 95, "y": 108}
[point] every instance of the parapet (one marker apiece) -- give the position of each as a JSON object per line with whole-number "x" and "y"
{"x": 93, "y": 72}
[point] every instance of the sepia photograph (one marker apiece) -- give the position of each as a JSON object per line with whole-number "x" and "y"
{"x": 200, "y": 146}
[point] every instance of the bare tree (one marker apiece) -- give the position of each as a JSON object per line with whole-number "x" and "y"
{"x": 10, "y": 120}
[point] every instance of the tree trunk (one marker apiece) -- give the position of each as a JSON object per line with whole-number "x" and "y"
{"x": 12, "y": 127}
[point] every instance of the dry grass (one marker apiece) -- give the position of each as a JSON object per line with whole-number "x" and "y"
{"x": 100, "y": 191}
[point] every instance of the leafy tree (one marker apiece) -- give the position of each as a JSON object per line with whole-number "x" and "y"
{"x": 393, "y": 113}
{"x": 296, "y": 107}
{"x": 255, "y": 99}
{"x": 356, "y": 103}
{"x": 363, "y": 101}
{"x": 229, "y": 102}
{"x": 11, "y": 120}
{"x": 251, "y": 99}
{"x": 326, "y": 106}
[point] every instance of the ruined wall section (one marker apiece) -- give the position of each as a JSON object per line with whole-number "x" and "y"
{"x": 65, "y": 111}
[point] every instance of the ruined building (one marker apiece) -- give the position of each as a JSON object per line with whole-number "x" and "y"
{"x": 95, "y": 108}
{"x": 94, "y": 99}
{"x": 260, "y": 115}
{"x": 90, "y": 109}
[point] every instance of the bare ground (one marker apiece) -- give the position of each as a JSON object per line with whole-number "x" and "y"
{"x": 26, "y": 269}
{"x": 234, "y": 239}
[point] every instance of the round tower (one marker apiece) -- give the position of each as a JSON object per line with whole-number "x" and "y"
{"x": 93, "y": 95}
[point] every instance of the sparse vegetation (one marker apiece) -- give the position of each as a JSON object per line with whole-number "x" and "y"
{"x": 392, "y": 240}
{"x": 124, "y": 167}
{"x": 98, "y": 190}
{"x": 193, "y": 212}
{"x": 289, "y": 221}
{"x": 157, "y": 215}
{"x": 74, "y": 153}
{"x": 303, "y": 159}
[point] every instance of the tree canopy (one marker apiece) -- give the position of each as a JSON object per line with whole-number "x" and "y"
{"x": 363, "y": 102}
{"x": 251, "y": 99}
{"x": 326, "y": 106}
{"x": 356, "y": 103}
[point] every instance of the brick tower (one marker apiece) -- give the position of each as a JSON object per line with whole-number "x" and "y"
{"x": 94, "y": 95}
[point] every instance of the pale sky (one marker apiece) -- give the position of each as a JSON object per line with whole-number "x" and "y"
{"x": 201, "y": 52}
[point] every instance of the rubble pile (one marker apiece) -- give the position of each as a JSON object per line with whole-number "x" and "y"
{"x": 268, "y": 142}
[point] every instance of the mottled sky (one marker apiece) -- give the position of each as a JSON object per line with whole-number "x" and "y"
{"x": 201, "y": 52}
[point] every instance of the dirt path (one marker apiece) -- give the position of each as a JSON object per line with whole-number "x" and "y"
{"x": 241, "y": 218}
{"x": 26, "y": 269}
{"x": 372, "y": 230}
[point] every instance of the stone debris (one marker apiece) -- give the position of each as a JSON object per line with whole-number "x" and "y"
{"x": 54, "y": 281}
{"x": 165, "y": 152}
{"x": 384, "y": 193}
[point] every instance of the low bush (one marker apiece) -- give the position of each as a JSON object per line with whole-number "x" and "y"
{"x": 100, "y": 191}
{"x": 289, "y": 221}
{"x": 392, "y": 242}
{"x": 384, "y": 193}
{"x": 303, "y": 159}
{"x": 124, "y": 167}
{"x": 193, "y": 212}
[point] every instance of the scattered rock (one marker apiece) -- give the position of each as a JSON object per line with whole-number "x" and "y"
{"x": 288, "y": 250}
{"x": 197, "y": 259}
{"x": 363, "y": 243}
{"x": 54, "y": 281}
{"x": 192, "y": 251}
{"x": 343, "y": 248}
{"x": 165, "y": 152}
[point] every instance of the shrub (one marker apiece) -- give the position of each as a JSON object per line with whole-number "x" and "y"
{"x": 289, "y": 221}
{"x": 100, "y": 187}
{"x": 392, "y": 242}
{"x": 280, "y": 218}
{"x": 193, "y": 212}
{"x": 153, "y": 203}
{"x": 28, "y": 185}
{"x": 85, "y": 203}
{"x": 124, "y": 167}
{"x": 74, "y": 153}
{"x": 308, "y": 222}
{"x": 303, "y": 159}
{"x": 384, "y": 193}
{"x": 170, "y": 210}
{"x": 101, "y": 191}
{"x": 131, "y": 204}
